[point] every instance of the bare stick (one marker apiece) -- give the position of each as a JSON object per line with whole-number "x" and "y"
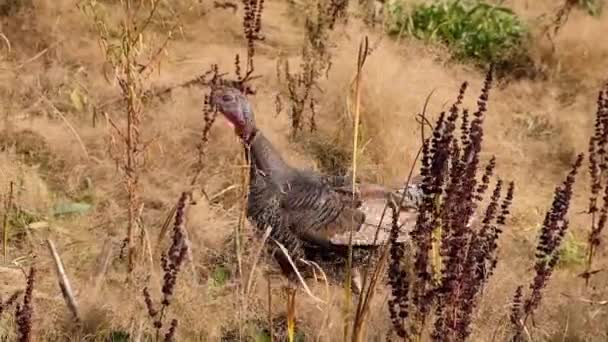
{"x": 363, "y": 51}
{"x": 148, "y": 245}
{"x": 327, "y": 296}
{"x": 8, "y": 42}
{"x": 165, "y": 228}
{"x": 8, "y": 208}
{"x": 257, "y": 258}
{"x": 306, "y": 288}
{"x": 68, "y": 125}
{"x": 102, "y": 266}
{"x": 190, "y": 255}
{"x": 64, "y": 282}
{"x": 38, "y": 55}
{"x": 270, "y": 309}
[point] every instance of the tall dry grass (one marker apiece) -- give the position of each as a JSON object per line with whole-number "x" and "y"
{"x": 50, "y": 69}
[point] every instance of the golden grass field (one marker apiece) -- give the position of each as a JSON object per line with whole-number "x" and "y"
{"x": 54, "y": 77}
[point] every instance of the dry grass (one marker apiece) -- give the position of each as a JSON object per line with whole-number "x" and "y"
{"x": 53, "y": 74}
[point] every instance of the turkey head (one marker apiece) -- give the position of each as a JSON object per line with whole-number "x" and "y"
{"x": 234, "y": 106}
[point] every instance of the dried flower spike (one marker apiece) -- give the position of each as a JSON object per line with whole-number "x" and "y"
{"x": 24, "y": 311}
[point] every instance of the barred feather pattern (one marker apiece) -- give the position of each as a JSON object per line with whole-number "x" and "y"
{"x": 301, "y": 207}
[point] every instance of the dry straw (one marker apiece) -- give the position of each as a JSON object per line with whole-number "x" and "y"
{"x": 8, "y": 207}
{"x": 356, "y": 88}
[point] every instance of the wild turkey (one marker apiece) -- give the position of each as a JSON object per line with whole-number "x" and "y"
{"x": 310, "y": 214}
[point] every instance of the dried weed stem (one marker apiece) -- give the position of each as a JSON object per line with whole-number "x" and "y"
{"x": 453, "y": 255}
{"x": 127, "y": 145}
{"x": 171, "y": 262}
{"x": 8, "y": 206}
{"x": 598, "y": 166}
{"x": 551, "y": 236}
{"x": 4, "y": 305}
{"x": 302, "y": 87}
{"x": 356, "y": 87}
{"x": 24, "y": 311}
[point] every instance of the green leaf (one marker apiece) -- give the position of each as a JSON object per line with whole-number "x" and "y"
{"x": 471, "y": 29}
{"x": 262, "y": 337}
{"x": 118, "y": 336}
{"x": 220, "y": 275}
{"x": 67, "y": 208}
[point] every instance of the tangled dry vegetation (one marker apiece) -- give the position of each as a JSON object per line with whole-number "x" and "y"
{"x": 123, "y": 194}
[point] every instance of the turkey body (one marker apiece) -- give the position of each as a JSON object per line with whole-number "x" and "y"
{"x": 306, "y": 210}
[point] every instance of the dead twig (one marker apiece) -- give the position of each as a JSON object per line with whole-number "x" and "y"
{"x": 69, "y": 126}
{"x": 38, "y": 55}
{"x": 585, "y": 300}
{"x": 226, "y": 5}
{"x": 102, "y": 265}
{"x": 255, "y": 261}
{"x": 297, "y": 272}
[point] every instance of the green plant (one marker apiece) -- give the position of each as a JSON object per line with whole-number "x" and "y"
{"x": 220, "y": 276}
{"x": 470, "y": 28}
{"x": 572, "y": 252}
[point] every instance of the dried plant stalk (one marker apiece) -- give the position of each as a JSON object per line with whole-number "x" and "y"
{"x": 103, "y": 262}
{"x": 361, "y": 58}
{"x": 551, "y": 236}
{"x": 302, "y": 87}
{"x": 270, "y": 325}
{"x": 4, "y": 305}
{"x": 171, "y": 263}
{"x": 25, "y": 310}
{"x": 291, "y": 313}
{"x": 127, "y": 145}
{"x": 598, "y": 165}
{"x": 8, "y": 206}
{"x": 453, "y": 254}
{"x": 370, "y": 283}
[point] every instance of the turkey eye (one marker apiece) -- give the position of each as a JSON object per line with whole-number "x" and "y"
{"x": 227, "y": 98}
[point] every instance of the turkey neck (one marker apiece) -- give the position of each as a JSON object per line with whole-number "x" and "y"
{"x": 265, "y": 158}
